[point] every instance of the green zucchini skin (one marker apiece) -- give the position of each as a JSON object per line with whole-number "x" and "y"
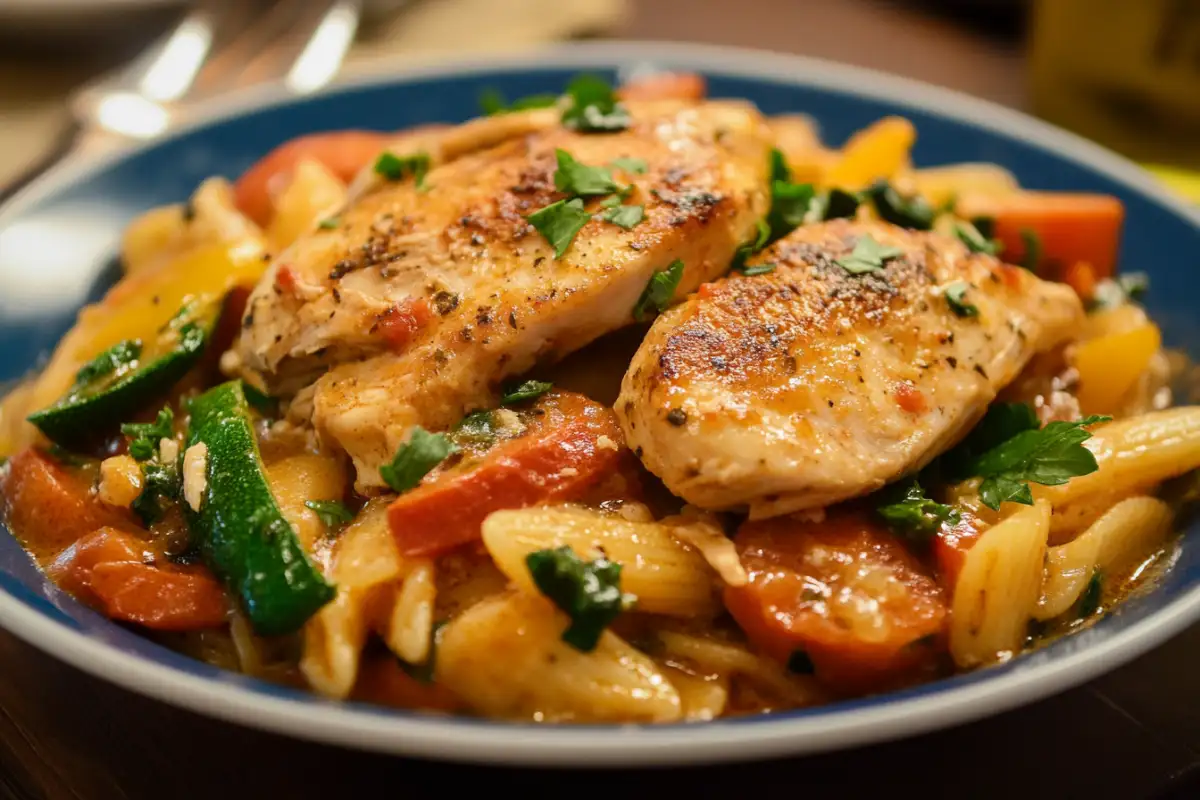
{"x": 80, "y": 414}
{"x": 239, "y": 529}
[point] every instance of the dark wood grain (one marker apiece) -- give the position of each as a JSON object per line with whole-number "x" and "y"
{"x": 67, "y": 736}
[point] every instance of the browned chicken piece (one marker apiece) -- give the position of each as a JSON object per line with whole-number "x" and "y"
{"x": 412, "y": 310}
{"x": 816, "y": 383}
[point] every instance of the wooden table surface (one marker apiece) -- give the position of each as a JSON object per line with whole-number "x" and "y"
{"x": 1134, "y": 733}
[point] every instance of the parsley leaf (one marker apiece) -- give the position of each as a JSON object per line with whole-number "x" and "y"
{"x": 332, "y": 513}
{"x": 790, "y": 204}
{"x": 397, "y": 168}
{"x": 559, "y": 222}
{"x": 954, "y": 297}
{"x": 329, "y": 223}
{"x": 636, "y": 166}
{"x": 528, "y": 390}
{"x": 1001, "y": 422}
{"x": 747, "y": 249}
{"x": 161, "y": 485}
{"x": 64, "y": 456}
{"x": 868, "y": 256}
{"x": 593, "y": 106}
{"x": 422, "y": 452}
{"x": 478, "y": 427}
{"x": 659, "y": 290}
{"x": 910, "y": 512}
{"x": 840, "y": 204}
{"x": 975, "y": 241}
{"x": 907, "y": 212}
{"x": 779, "y": 169}
{"x": 1050, "y": 456}
{"x": 1033, "y": 249}
{"x": 758, "y": 269}
{"x": 575, "y": 178}
{"x": 146, "y": 435}
{"x": 625, "y": 216}
{"x": 1092, "y": 595}
{"x": 492, "y": 102}
{"x": 985, "y": 225}
{"x": 588, "y": 591}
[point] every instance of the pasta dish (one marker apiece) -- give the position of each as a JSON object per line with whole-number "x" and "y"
{"x": 615, "y": 405}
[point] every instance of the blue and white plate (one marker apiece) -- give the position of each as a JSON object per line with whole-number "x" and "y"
{"x": 58, "y": 237}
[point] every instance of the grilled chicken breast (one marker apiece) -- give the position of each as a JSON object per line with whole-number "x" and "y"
{"x": 423, "y": 298}
{"x": 813, "y": 384}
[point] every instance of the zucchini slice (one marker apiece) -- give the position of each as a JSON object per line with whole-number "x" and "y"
{"x": 114, "y": 385}
{"x": 237, "y": 525}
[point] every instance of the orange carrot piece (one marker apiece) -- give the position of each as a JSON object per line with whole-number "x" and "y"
{"x": 344, "y": 153}
{"x": 1081, "y": 277}
{"x": 107, "y": 569}
{"x": 382, "y": 681}
{"x": 572, "y": 446}
{"x": 1070, "y": 228}
{"x": 49, "y": 506}
{"x": 846, "y": 593}
{"x": 950, "y": 549}
{"x": 665, "y": 86}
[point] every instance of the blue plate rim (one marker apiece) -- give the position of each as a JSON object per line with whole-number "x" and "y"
{"x": 937, "y": 705}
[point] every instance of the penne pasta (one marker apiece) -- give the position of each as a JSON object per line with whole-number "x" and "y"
{"x": 702, "y": 533}
{"x": 998, "y": 588}
{"x": 1135, "y": 452}
{"x": 701, "y": 697}
{"x": 666, "y": 576}
{"x": 505, "y": 657}
{"x": 409, "y": 629}
{"x": 298, "y": 479}
{"x": 1128, "y": 532}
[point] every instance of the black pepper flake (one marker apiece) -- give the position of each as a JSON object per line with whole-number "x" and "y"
{"x": 638, "y": 451}
{"x": 445, "y": 302}
{"x": 952, "y": 361}
{"x": 343, "y": 267}
{"x": 830, "y": 403}
{"x": 483, "y": 316}
{"x": 248, "y": 320}
{"x": 337, "y": 296}
{"x": 979, "y": 368}
{"x": 512, "y": 320}
{"x": 188, "y": 212}
{"x": 677, "y": 417}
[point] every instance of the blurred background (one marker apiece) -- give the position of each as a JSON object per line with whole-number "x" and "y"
{"x": 80, "y": 75}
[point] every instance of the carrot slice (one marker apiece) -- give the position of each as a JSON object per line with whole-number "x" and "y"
{"x": 107, "y": 569}
{"x": 382, "y": 681}
{"x": 665, "y": 86}
{"x": 344, "y": 153}
{"x": 1070, "y": 228}
{"x": 845, "y": 593}
{"x": 571, "y": 445}
{"x": 49, "y": 506}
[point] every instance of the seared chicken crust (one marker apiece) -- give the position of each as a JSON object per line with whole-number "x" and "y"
{"x": 810, "y": 385}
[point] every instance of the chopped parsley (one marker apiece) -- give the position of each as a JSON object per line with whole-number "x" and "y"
{"x": 747, "y": 249}
{"x": 478, "y": 427}
{"x": 492, "y": 102}
{"x": 161, "y": 485}
{"x": 592, "y": 106}
{"x": 579, "y": 179}
{"x": 955, "y": 294}
{"x": 422, "y": 452}
{"x": 588, "y": 591}
{"x": 397, "y": 168}
{"x": 559, "y": 223}
{"x": 758, "y": 269}
{"x": 1092, "y": 595}
{"x": 526, "y": 390}
{"x": 907, "y": 212}
{"x": 659, "y": 291}
{"x": 779, "y": 169}
{"x": 868, "y": 256}
{"x": 329, "y": 223}
{"x": 840, "y": 204}
{"x": 145, "y": 436}
{"x": 1050, "y": 456}
{"x": 625, "y": 216}
{"x": 910, "y": 512}
{"x": 1001, "y": 422}
{"x": 975, "y": 241}
{"x": 332, "y": 513}
{"x": 790, "y": 205}
{"x": 1033, "y": 249}
{"x": 636, "y": 166}
{"x": 64, "y": 456}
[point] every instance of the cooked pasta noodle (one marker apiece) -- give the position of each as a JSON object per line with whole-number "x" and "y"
{"x": 701, "y": 697}
{"x": 667, "y": 577}
{"x": 409, "y": 629}
{"x": 702, "y": 532}
{"x": 998, "y": 587}
{"x": 1130, "y": 530}
{"x": 506, "y": 657}
{"x": 727, "y": 658}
